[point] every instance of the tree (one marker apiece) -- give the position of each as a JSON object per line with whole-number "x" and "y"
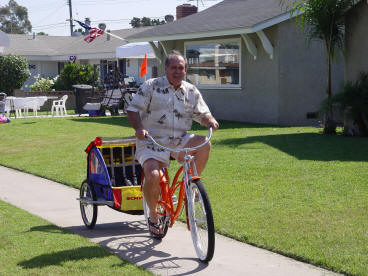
{"x": 323, "y": 20}
{"x": 14, "y": 19}
{"x": 75, "y": 73}
{"x": 42, "y": 33}
{"x": 156, "y": 22}
{"x": 145, "y": 21}
{"x": 13, "y": 73}
{"x": 81, "y": 30}
{"x": 136, "y": 22}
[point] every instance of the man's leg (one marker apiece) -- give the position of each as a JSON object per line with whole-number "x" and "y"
{"x": 200, "y": 155}
{"x": 151, "y": 187}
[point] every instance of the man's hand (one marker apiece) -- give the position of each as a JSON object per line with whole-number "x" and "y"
{"x": 214, "y": 124}
{"x": 209, "y": 121}
{"x": 141, "y": 134}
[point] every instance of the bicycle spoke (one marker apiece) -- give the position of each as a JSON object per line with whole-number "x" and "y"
{"x": 201, "y": 221}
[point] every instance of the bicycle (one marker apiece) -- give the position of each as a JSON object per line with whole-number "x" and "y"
{"x": 186, "y": 192}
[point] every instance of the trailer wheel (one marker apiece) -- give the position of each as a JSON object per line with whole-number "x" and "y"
{"x": 88, "y": 210}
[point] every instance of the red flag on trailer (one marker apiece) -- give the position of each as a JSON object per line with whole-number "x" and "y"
{"x": 143, "y": 70}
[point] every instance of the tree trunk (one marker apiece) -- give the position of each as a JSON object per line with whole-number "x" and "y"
{"x": 328, "y": 88}
{"x": 330, "y": 124}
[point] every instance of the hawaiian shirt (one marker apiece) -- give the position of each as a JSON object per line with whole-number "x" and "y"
{"x": 166, "y": 113}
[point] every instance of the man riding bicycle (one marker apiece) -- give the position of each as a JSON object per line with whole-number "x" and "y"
{"x": 165, "y": 108}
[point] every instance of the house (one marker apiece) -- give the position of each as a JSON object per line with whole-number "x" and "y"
{"x": 47, "y": 55}
{"x": 356, "y": 41}
{"x": 4, "y": 41}
{"x": 250, "y": 61}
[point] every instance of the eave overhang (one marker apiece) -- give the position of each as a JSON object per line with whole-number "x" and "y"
{"x": 226, "y": 32}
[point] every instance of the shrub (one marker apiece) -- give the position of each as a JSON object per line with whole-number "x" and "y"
{"x": 42, "y": 84}
{"x": 75, "y": 73}
{"x": 58, "y": 84}
{"x": 13, "y": 73}
{"x": 353, "y": 102}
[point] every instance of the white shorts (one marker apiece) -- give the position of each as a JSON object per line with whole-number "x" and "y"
{"x": 146, "y": 150}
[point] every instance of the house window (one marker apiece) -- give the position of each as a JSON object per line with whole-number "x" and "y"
{"x": 214, "y": 63}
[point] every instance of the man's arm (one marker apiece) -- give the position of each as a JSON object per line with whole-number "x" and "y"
{"x": 135, "y": 120}
{"x": 209, "y": 121}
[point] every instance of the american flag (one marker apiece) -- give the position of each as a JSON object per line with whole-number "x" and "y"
{"x": 93, "y": 32}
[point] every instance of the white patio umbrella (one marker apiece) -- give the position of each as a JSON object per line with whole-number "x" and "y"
{"x": 4, "y": 41}
{"x": 135, "y": 50}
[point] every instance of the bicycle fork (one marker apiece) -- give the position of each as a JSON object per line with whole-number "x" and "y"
{"x": 188, "y": 177}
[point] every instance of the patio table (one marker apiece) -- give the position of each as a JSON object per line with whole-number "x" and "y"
{"x": 17, "y": 104}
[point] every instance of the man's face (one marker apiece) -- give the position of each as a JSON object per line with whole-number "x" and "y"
{"x": 176, "y": 71}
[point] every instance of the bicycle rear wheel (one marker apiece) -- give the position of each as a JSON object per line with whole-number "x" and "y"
{"x": 88, "y": 211}
{"x": 201, "y": 221}
{"x": 164, "y": 219}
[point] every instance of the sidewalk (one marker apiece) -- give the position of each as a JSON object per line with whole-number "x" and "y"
{"x": 127, "y": 237}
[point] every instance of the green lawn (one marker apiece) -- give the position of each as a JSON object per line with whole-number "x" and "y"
{"x": 291, "y": 190}
{"x": 32, "y": 246}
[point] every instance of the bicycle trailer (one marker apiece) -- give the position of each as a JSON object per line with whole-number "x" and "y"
{"x": 113, "y": 178}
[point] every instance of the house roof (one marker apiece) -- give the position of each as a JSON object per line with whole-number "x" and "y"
{"x": 58, "y": 47}
{"x": 225, "y": 18}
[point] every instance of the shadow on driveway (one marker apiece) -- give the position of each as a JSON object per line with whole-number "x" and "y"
{"x": 128, "y": 240}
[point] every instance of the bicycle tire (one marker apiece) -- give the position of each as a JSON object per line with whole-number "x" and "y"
{"x": 201, "y": 221}
{"x": 88, "y": 211}
{"x": 164, "y": 219}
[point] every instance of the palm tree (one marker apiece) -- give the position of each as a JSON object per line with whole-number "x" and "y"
{"x": 324, "y": 20}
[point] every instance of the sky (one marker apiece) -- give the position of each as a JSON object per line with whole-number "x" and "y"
{"x": 50, "y": 16}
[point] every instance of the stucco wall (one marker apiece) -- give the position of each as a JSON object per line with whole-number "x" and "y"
{"x": 303, "y": 75}
{"x": 256, "y": 100}
{"x": 281, "y": 90}
{"x": 356, "y": 41}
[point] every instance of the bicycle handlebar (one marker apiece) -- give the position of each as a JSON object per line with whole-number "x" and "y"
{"x": 183, "y": 149}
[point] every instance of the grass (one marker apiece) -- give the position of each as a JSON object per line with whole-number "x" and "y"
{"x": 291, "y": 190}
{"x": 32, "y": 246}
{"x": 40, "y": 113}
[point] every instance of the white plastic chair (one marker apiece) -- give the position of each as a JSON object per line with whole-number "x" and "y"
{"x": 59, "y": 106}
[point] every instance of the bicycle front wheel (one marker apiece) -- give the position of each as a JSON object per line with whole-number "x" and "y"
{"x": 201, "y": 221}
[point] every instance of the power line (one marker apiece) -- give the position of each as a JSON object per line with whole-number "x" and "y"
{"x": 54, "y": 11}
{"x": 50, "y": 25}
{"x": 96, "y": 21}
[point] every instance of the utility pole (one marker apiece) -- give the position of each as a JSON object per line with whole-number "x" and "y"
{"x": 71, "y": 17}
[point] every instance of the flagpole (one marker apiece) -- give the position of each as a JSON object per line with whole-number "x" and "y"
{"x": 116, "y": 36}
